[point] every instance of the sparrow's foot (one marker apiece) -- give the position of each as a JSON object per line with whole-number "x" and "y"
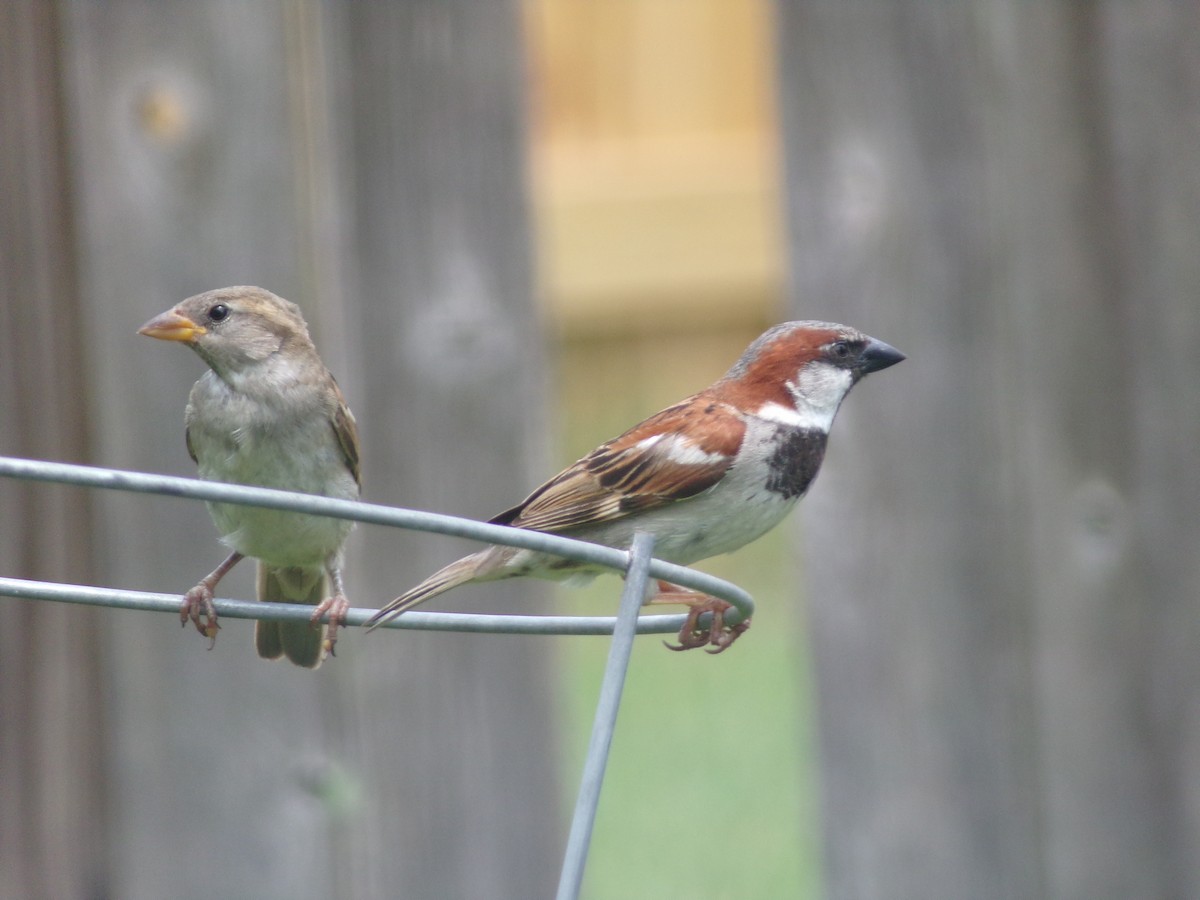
{"x": 198, "y": 602}
{"x": 198, "y": 608}
{"x": 716, "y": 636}
{"x": 337, "y": 606}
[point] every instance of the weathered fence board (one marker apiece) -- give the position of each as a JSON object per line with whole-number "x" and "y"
{"x": 452, "y": 729}
{"x": 51, "y": 673}
{"x": 1002, "y": 552}
{"x": 366, "y": 161}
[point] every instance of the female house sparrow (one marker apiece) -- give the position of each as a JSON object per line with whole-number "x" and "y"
{"x": 268, "y": 413}
{"x": 704, "y": 476}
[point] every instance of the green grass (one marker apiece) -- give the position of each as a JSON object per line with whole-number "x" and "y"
{"x": 710, "y": 789}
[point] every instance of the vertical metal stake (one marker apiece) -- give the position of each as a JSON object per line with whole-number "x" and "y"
{"x": 606, "y": 718}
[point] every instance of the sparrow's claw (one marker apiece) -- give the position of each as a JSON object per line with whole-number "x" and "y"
{"x": 723, "y": 639}
{"x": 198, "y": 608}
{"x": 691, "y": 635}
{"x": 198, "y": 602}
{"x": 337, "y": 606}
{"x": 717, "y": 634}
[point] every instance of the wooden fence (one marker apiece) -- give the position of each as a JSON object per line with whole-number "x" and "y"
{"x": 367, "y": 161}
{"x": 1001, "y": 555}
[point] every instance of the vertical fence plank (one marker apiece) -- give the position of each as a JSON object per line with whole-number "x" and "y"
{"x": 366, "y": 161}
{"x": 456, "y": 729}
{"x": 1119, "y": 674}
{"x": 187, "y": 148}
{"x": 51, "y": 678}
{"x": 1001, "y": 560}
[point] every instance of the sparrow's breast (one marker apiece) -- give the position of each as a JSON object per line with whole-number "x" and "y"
{"x": 237, "y": 441}
{"x": 774, "y": 468}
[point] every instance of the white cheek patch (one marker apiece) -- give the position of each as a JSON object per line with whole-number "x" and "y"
{"x": 818, "y": 390}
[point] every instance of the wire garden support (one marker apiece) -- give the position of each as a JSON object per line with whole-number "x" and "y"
{"x": 637, "y": 563}
{"x": 611, "y": 687}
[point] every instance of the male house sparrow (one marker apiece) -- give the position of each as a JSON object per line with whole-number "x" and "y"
{"x": 268, "y": 413}
{"x": 704, "y": 476}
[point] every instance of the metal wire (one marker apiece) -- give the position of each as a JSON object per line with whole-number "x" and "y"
{"x": 611, "y": 688}
{"x": 413, "y": 621}
{"x": 370, "y": 513}
{"x": 637, "y": 563}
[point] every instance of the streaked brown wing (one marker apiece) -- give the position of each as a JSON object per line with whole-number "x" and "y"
{"x": 678, "y": 453}
{"x": 346, "y": 431}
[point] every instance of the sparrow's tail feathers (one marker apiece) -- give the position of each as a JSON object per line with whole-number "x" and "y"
{"x": 301, "y": 642}
{"x": 476, "y": 567}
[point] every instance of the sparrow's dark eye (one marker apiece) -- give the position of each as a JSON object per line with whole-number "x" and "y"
{"x": 841, "y": 350}
{"x": 218, "y": 313}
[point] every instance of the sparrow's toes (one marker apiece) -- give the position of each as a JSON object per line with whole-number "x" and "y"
{"x": 716, "y": 634}
{"x": 337, "y": 606}
{"x": 198, "y": 608}
{"x": 691, "y": 635}
{"x": 722, "y": 639}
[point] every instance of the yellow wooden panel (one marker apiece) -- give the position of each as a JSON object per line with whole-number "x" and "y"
{"x": 682, "y": 224}
{"x": 654, "y": 169}
{"x": 644, "y": 67}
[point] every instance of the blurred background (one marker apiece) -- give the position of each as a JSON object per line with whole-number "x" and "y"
{"x": 516, "y": 228}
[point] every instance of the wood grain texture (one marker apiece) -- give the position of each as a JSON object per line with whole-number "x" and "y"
{"x": 366, "y": 162}
{"x": 454, "y": 730}
{"x": 186, "y": 152}
{"x": 1001, "y": 550}
{"x": 52, "y": 676}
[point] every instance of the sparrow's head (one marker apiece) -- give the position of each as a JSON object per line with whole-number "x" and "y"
{"x": 232, "y": 328}
{"x": 799, "y": 372}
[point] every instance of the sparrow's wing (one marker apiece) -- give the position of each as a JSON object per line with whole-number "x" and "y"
{"x": 187, "y": 439}
{"x": 678, "y": 453}
{"x": 345, "y": 429}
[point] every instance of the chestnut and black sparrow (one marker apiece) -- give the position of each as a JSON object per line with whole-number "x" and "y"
{"x": 704, "y": 476}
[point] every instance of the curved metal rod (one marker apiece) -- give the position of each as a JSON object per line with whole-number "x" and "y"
{"x": 370, "y": 513}
{"x": 414, "y": 621}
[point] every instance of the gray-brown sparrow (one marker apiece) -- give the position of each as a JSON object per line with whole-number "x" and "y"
{"x": 268, "y": 413}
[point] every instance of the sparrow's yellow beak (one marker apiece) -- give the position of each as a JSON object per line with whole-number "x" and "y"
{"x": 171, "y": 326}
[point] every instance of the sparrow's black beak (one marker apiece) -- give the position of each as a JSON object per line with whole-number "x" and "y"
{"x": 878, "y": 355}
